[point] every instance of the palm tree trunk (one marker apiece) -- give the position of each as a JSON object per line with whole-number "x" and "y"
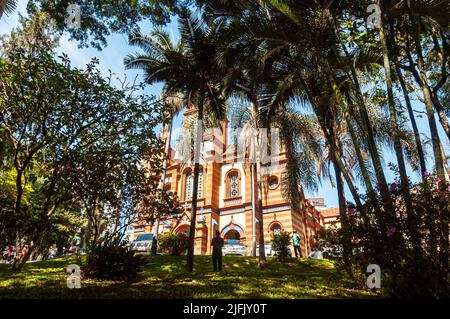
{"x": 393, "y": 116}
{"x": 340, "y": 98}
{"x": 346, "y": 249}
{"x": 252, "y": 174}
{"x": 423, "y": 167}
{"x": 362, "y": 165}
{"x": 262, "y": 252}
{"x": 373, "y": 149}
{"x": 412, "y": 224}
{"x": 441, "y": 114}
{"x": 331, "y": 142}
{"x": 421, "y": 78}
{"x": 198, "y": 143}
{"x": 393, "y": 113}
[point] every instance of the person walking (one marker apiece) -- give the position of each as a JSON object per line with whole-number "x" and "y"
{"x": 217, "y": 244}
{"x": 75, "y": 244}
{"x": 296, "y": 242}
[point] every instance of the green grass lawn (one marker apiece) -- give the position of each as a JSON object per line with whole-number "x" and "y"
{"x": 167, "y": 278}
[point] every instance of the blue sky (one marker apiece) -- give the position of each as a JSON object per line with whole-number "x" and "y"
{"x": 111, "y": 58}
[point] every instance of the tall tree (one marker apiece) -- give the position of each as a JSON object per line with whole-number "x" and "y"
{"x": 52, "y": 116}
{"x": 191, "y": 68}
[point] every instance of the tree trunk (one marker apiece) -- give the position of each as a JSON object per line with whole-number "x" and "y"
{"x": 441, "y": 114}
{"x": 393, "y": 117}
{"x": 87, "y": 235}
{"x": 412, "y": 224}
{"x": 197, "y": 149}
{"x": 347, "y": 245}
{"x": 362, "y": 166}
{"x": 330, "y": 140}
{"x": 21, "y": 259}
{"x": 421, "y": 78}
{"x": 423, "y": 167}
{"x": 373, "y": 149}
{"x": 262, "y": 251}
{"x": 252, "y": 174}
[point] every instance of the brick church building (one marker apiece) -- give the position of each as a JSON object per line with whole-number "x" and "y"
{"x": 225, "y": 195}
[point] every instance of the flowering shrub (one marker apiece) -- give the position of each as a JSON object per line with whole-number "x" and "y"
{"x": 411, "y": 246}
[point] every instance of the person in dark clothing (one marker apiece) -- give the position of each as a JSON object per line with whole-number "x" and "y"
{"x": 217, "y": 244}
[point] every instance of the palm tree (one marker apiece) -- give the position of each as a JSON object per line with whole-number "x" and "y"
{"x": 7, "y": 7}
{"x": 191, "y": 68}
{"x": 249, "y": 65}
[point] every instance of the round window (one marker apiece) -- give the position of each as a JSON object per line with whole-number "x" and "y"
{"x": 273, "y": 182}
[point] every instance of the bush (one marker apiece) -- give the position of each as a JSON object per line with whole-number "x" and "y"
{"x": 115, "y": 263}
{"x": 280, "y": 244}
{"x": 173, "y": 244}
{"x": 410, "y": 246}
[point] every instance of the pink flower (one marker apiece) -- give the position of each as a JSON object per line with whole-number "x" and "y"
{"x": 425, "y": 174}
{"x": 393, "y": 187}
{"x": 439, "y": 180}
{"x": 390, "y": 231}
{"x": 351, "y": 210}
{"x": 378, "y": 186}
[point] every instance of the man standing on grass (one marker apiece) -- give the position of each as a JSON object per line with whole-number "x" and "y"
{"x": 296, "y": 242}
{"x": 217, "y": 244}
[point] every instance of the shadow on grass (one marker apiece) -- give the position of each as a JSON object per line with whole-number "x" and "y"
{"x": 167, "y": 278}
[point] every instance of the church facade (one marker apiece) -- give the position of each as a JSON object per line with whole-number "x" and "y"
{"x": 226, "y": 201}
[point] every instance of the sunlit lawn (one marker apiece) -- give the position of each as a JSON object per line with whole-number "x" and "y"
{"x": 167, "y": 278}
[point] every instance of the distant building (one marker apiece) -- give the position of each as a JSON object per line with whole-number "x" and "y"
{"x": 330, "y": 216}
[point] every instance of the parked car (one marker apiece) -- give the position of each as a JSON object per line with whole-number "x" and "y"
{"x": 326, "y": 252}
{"x": 233, "y": 247}
{"x": 143, "y": 242}
{"x": 270, "y": 252}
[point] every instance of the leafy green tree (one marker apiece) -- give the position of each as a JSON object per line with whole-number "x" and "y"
{"x": 100, "y": 18}
{"x": 59, "y": 120}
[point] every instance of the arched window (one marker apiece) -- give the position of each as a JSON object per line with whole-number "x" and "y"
{"x": 232, "y": 234}
{"x": 183, "y": 229}
{"x": 276, "y": 229}
{"x": 232, "y": 184}
{"x": 190, "y": 185}
{"x": 200, "y": 184}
